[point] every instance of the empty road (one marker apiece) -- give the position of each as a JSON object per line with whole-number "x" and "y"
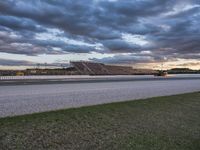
{"x": 26, "y": 99}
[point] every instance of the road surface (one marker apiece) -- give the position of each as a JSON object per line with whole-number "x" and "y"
{"x": 62, "y": 79}
{"x": 27, "y": 99}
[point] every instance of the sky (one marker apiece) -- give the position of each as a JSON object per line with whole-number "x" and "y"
{"x": 140, "y": 33}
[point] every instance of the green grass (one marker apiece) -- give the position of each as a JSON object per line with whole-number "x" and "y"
{"x": 162, "y": 123}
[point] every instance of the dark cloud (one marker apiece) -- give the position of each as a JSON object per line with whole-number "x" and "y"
{"x": 124, "y": 59}
{"x": 84, "y": 17}
{"x": 78, "y": 49}
{"x": 173, "y": 32}
{"x": 119, "y": 45}
{"x": 16, "y": 23}
{"x": 15, "y": 44}
{"x": 9, "y": 62}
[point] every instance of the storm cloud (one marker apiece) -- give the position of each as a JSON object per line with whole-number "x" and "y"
{"x": 167, "y": 29}
{"x": 9, "y": 62}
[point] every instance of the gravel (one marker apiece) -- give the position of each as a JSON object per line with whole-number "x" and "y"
{"x": 27, "y": 99}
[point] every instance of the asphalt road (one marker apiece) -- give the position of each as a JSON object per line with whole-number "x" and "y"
{"x": 27, "y": 99}
{"x": 63, "y": 79}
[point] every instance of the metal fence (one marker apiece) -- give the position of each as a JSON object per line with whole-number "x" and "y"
{"x": 92, "y": 77}
{"x": 37, "y": 77}
{"x": 33, "y": 77}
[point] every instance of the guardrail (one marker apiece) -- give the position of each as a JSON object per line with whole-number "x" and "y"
{"x": 37, "y": 77}
{"x": 31, "y": 77}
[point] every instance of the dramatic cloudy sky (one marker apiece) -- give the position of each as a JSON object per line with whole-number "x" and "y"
{"x": 142, "y": 33}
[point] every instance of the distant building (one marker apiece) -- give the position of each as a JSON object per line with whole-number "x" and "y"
{"x": 9, "y": 72}
{"x": 81, "y": 68}
{"x": 19, "y": 73}
{"x": 61, "y": 71}
{"x": 92, "y": 68}
{"x": 182, "y": 71}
